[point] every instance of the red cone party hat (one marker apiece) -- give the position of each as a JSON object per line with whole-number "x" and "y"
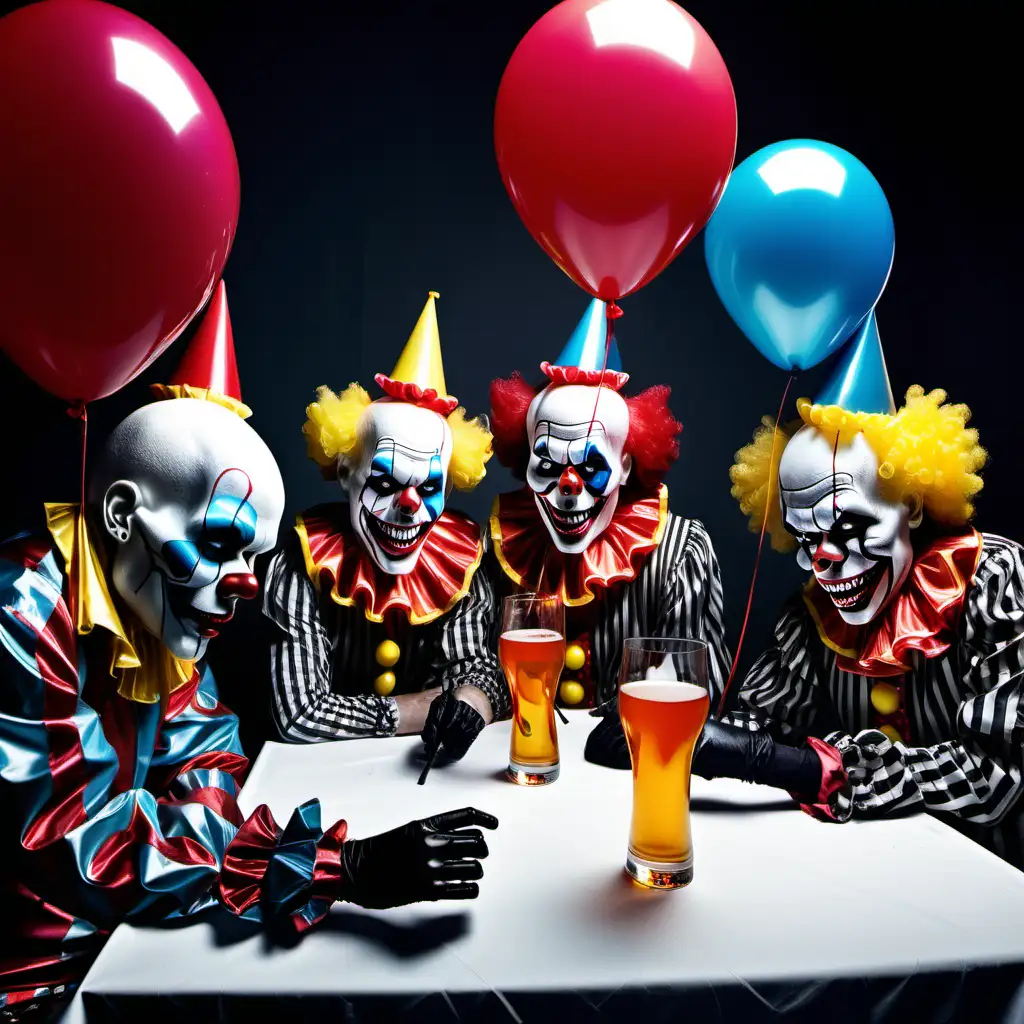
{"x": 208, "y": 369}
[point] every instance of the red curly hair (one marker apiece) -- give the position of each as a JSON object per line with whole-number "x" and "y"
{"x": 652, "y": 440}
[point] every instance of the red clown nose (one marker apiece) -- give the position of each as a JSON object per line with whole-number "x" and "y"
{"x": 238, "y": 584}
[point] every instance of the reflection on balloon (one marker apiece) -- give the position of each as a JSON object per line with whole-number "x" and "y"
{"x": 652, "y": 24}
{"x": 138, "y": 67}
{"x": 803, "y": 168}
{"x": 799, "y": 249}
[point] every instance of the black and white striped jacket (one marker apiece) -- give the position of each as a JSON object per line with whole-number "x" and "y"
{"x": 676, "y": 593}
{"x": 323, "y": 660}
{"x": 964, "y": 708}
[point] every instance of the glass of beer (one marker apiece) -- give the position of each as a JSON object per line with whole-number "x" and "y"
{"x": 532, "y": 652}
{"x": 663, "y": 703}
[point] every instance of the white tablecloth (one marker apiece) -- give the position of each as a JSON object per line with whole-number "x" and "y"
{"x": 785, "y": 914}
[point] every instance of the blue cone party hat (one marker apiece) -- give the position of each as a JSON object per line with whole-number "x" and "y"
{"x": 585, "y": 349}
{"x": 860, "y": 382}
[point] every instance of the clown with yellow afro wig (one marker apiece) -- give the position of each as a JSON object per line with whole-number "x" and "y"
{"x": 894, "y": 679}
{"x": 384, "y": 619}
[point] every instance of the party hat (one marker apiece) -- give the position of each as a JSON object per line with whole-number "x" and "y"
{"x": 418, "y": 376}
{"x": 208, "y": 369}
{"x": 585, "y": 348}
{"x": 582, "y": 360}
{"x": 860, "y": 381}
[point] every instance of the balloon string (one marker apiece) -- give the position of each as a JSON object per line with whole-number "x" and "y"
{"x": 760, "y": 544}
{"x": 78, "y": 411}
{"x": 612, "y": 312}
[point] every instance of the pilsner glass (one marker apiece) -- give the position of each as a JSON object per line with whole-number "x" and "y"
{"x": 532, "y": 652}
{"x": 663, "y": 703}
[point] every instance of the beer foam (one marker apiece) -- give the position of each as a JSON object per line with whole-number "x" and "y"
{"x": 664, "y": 692}
{"x": 531, "y": 636}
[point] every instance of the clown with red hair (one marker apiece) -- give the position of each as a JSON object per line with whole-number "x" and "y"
{"x": 592, "y": 524}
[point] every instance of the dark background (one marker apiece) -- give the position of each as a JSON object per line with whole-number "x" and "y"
{"x": 364, "y": 136}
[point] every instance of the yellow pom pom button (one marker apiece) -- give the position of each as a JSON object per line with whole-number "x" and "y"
{"x": 388, "y": 653}
{"x": 571, "y": 691}
{"x": 575, "y": 658}
{"x": 384, "y": 683}
{"x": 892, "y": 733}
{"x": 885, "y": 698}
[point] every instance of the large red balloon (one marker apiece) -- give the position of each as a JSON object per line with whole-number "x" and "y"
{"x": 118, "y": 194}
{"x": 615, "y": 130}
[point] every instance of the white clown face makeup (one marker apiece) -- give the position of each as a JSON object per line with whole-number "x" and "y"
{"x": 856, "y": 543}
{"x": 191, "y": 494}
{"x": 397, "y": 489}
{"x": 577, "y": 463}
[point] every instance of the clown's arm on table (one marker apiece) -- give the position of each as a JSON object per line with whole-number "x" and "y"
{"x": 306, "y": 708}
{"x": 976, "y": 774}
{"x": 102, "y": 851}
{"x": 474, "y": 690}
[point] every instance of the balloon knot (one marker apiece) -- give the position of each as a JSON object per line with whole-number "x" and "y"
{"x": 434, "y": 295}
{"x": 77, "y": 411}
{"x": 612, "y": 311}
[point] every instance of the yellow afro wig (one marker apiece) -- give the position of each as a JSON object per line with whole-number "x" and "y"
{"x": 925, "y": 450}
{"x": 332, "y": 432}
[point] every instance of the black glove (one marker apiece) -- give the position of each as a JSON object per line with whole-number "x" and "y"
{"x": 394, "y": 868}
{"x": 732, "y": 752}
{"x": 723, "y": 751}
{"x": 453, "y": 724}
{"x": 606, "y": 744}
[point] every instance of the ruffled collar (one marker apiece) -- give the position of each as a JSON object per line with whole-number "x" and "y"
{"x": 146, "y": 671}
{"x": 334, "y": 555}
{"x": 525, "y": 552}
{"x": 923, "y": 616}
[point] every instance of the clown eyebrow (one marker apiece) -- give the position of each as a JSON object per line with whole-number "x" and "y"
{"x": 809, "y": 496}
{"x": 390, "y": 445}
{"x": 569, "y": 431}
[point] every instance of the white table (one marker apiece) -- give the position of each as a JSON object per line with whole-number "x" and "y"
{"x": 783, "y": 909}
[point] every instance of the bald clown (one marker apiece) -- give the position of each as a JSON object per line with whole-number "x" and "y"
{"x": 119, "y": 767}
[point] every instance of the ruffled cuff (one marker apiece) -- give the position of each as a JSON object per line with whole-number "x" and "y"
{"x": 834, "y": 801}
{"x": 276, "y": 876}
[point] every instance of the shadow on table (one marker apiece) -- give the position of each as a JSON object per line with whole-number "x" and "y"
{"x": 711, "y": 805}
{"x": 402, "y": 941}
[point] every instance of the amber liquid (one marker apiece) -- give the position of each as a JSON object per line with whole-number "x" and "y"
{"x": 662, "y": 721}
{"x": 532, "y": 661}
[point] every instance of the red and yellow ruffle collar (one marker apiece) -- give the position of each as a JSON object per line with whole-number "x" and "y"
{"x": 336, "y": 558}
{"x": 923, "y": 617}
{"x": 525, "y": 552}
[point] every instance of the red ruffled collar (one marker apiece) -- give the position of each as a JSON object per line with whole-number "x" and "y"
{"x": 524, "y": 549}
{"x": 923, "y": 617}
{"x": 335, "y": 557}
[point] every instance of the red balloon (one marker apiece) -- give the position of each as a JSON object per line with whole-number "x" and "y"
{"x": 118, "y": 194}
{"x": 615, "y": 130}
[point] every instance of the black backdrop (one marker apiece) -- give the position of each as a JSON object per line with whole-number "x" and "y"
{"x": 364, "y": 136}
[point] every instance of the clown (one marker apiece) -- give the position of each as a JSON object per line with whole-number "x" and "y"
{"x": 900, "y": 662}
{"x": 119, "y": 768}
{"x": 592, "y": 523}
{"x": 383, "y": 618}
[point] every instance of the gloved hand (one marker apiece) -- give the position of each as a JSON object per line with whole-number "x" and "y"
{"x": 723, "y": 751}
{"x": 453, "y": 724}
{"x": 732, "y": 752}
{"x": 606, "y": 744}
{"x": 395, "y": 868}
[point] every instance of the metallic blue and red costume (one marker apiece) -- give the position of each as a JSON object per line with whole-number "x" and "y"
{"x": 116, "y": 809}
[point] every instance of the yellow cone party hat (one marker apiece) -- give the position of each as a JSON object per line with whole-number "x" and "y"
{"x": 418, "y": 376}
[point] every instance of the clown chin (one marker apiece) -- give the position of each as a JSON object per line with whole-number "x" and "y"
{"x": 394, "y": 548}
{"x": 573, "y": 531}
{"x": 860, "y": 598}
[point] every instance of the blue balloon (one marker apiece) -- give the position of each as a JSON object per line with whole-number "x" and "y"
{"x": 799, "y": 249}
